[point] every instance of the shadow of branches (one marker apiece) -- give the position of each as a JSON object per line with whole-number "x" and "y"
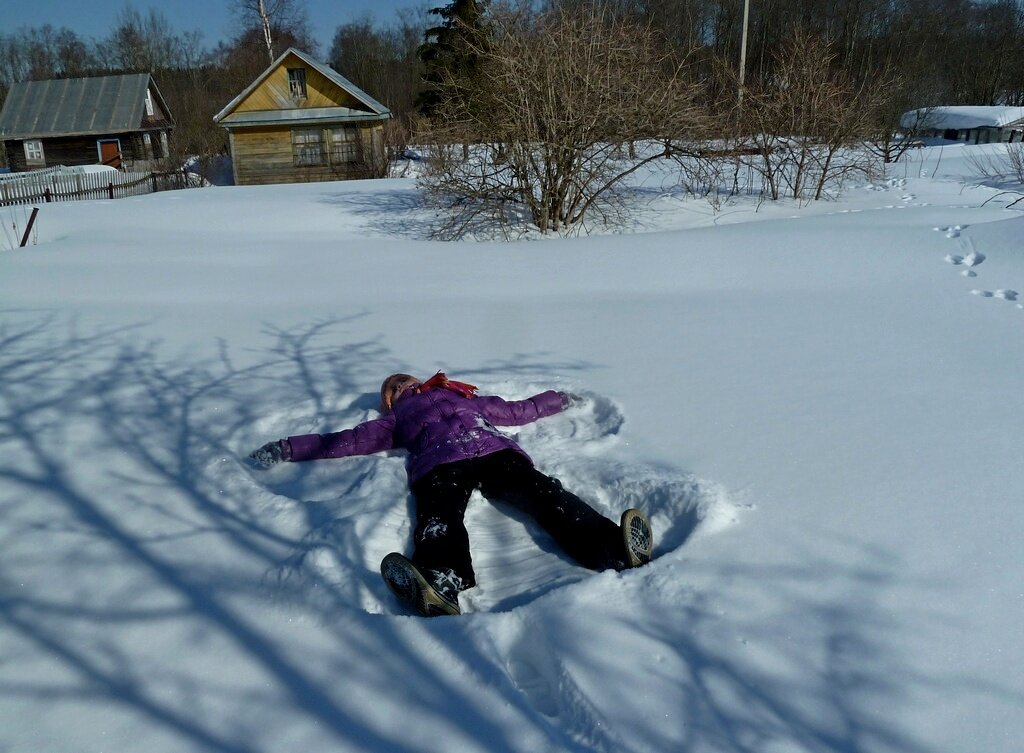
{"x": 132, "y": 531}
{"x": 151, "y": 578}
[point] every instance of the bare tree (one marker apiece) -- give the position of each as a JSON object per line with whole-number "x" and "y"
{"x": 803, "y": 121}
{"x": 271, "y": 17}
{"x": 551, "y": 110}
{"x": 141, "y": 43}
{"x": 382, "y": 60}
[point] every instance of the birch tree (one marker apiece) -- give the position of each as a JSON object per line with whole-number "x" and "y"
{"x": 271, "y": 17}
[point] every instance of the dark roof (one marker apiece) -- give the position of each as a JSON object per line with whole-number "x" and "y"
{"x": 77, "y": 106}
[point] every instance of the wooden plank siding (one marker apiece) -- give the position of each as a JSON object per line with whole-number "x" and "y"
{"x": 265, "y": 155}
{"x": 313, "y": 125}
{"x": 72, "y": 151}
{"x": 275, "y": 93}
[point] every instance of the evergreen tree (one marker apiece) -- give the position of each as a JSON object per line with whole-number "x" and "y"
{"x": 448, "y": 49}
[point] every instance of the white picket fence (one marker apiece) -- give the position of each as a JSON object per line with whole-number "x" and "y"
{"x": 68, "y": 184}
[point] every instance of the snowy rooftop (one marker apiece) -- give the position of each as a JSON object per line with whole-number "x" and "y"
{"x": 967, "y": 116}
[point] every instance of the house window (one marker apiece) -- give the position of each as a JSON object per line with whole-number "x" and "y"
{"x": 149, "y": 103}
{"x": 345, "y": 145}
{"x": 297, "y": 82}
{"x": 34, "y": 152}
{"x": 308, "y": 147}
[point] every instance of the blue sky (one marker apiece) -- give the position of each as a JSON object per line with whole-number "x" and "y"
{"x": 93, "y": 19}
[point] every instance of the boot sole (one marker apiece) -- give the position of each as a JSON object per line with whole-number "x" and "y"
{"x": 412, "y": 589}
{"x": 637, "y": 536}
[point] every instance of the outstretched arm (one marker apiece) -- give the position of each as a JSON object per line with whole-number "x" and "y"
{"x": 518, "y": 412}
{"x": 364, "y": 439}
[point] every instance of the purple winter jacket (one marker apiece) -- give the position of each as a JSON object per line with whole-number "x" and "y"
{"x": 435, "y": 427}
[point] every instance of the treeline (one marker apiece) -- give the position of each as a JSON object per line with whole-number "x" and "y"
{"x": 949, "y": 52}
{"x": 195, "y": 79}
{"x": 929, "y": 52}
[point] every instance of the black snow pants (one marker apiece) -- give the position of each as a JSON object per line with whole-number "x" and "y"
{"x": 442, "y": 542}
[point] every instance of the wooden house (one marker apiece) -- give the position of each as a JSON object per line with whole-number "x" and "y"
{"x": 121, "y": 121}
{"x": 300, "y": 121}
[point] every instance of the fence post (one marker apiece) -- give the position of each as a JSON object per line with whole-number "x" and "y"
{"x": 48, "y": 195}
{"x": 28, "y": 228}
{"x": 110, "y": 190}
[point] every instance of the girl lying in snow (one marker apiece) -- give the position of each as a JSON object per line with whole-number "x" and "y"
{"x": 453, "y": 448}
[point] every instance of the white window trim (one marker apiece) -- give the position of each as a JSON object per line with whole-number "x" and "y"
{"x": 34, "y": 154}
{"x": 99, "y": 148}
{"x": 149, "y": 103}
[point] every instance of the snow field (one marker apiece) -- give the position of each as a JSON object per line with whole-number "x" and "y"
{"x": 815, "y": 407}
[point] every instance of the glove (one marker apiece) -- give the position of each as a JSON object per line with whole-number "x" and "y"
{"x": 268, "y": 455}
{"x": 571, "y": 400}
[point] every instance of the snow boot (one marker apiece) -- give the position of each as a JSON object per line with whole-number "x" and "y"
{"x": 637, "y": 536}
{"x": 415, "y": 589}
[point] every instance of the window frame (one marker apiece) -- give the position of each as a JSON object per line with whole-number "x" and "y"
{"x": 33, "y": 147}
{"x": 308, "y": 151}
{"x": 297, "y": 83}
{"x": 348, "y": 149}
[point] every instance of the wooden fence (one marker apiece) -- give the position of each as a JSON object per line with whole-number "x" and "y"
{"x": 46, "y": 186}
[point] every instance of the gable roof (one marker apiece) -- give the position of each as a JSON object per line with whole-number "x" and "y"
{"x": 963, "y": 116}
{"x": 77, "y": 106}
{"x": 375, "y": 110}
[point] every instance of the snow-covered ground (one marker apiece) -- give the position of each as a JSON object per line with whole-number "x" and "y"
{"x": 819, "y": 407}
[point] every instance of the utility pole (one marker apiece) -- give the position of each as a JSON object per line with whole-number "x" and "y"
{"x": 743, "y": 47}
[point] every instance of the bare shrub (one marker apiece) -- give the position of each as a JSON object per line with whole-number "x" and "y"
{"x": 806, "y": 120}
{"x": 1009, "y": 165}
{"x": 1015, "y": 160}
{"x": 544, "y": 127}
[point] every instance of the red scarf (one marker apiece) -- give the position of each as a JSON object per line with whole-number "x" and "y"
{"x": 440, "y": 381}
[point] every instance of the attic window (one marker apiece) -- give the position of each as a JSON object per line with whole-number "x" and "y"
{"x": 149, "y": 103}
{"x": 297, "y": 82}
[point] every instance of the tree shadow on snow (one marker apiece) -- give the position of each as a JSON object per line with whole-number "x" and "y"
{"x": 118, "y": 469}
{"x": 395, "y": 213}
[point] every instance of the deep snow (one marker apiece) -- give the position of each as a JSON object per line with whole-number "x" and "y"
{"x": 818, "y": 406}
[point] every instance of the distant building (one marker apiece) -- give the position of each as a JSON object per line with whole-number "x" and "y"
{"x": 120, "y": 121}
{"x": 300, "y": 121}
{"x": 971, "y": 124}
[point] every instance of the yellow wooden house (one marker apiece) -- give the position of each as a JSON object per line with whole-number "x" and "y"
{"x": 301, "y": 121}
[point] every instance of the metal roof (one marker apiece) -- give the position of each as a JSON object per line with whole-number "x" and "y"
{"x": 76, "y": 106}
{"x": 305, "y": 116}
{"x": 378, "y": 111}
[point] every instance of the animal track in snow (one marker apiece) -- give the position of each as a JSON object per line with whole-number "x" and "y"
{"x": 1006, "y": 295}
{"x": 951, "y": 231}
{"x": 972, "y": 259}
